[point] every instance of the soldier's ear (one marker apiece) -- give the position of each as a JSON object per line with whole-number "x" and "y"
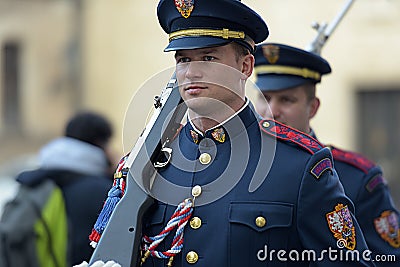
{"x": 247, "y": 65}
{"x": 314, "y": 106}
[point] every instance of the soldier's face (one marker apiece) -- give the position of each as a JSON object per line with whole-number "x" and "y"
{"x": 212, "y": 79}
{"x": 291, "y": 107}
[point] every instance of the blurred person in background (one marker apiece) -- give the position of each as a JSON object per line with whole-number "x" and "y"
{"x": 287, "y": 77}
{"x": 79, "y": 163}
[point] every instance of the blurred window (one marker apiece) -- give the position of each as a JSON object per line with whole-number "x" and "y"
{"x": 379, "y": 131}
{"x": 10, "y": 87}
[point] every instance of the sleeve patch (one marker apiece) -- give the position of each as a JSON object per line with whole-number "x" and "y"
{"x": 387, "y": 226}
{"x": 287, "y": 133}
{"x": 341, "y": 225}
{"x": 353, "y": 159}
{"x": 374, "y": 182}
{"x": 322, "y": 166}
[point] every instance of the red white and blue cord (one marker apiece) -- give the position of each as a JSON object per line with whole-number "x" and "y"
{"x": 178, "y": 220}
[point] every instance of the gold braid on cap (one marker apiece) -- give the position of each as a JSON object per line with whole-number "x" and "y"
{"x": 224, "y": 33}
{"x": 303, "y": 72}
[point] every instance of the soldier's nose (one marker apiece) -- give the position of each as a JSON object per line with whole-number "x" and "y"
{"x": 194, "y": 70}
{"x": 274, "y": 110}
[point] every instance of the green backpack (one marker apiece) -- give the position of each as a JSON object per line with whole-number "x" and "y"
{"x": 34, "y": 228}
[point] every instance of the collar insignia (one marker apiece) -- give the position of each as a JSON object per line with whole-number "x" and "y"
{"x": 195, "y": 136}
{"x": 185, "y": 7}
{"x": 219, "y": 135}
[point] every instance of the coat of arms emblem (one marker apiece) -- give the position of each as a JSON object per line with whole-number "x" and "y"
{"x": 185, "y": 7}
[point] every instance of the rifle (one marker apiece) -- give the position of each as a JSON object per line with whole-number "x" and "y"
{"x": 121, "y": 238}
{"x": 324, "y": 31}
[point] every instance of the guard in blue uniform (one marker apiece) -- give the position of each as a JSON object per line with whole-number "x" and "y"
{"x": 287, "y": 77}
{"x": 240, "y": 191}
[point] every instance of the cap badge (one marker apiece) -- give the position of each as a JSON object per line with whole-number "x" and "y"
{"x": 341, "y": 225}
{"x": 185, "y": 7}
{"x": 271, "y": 53}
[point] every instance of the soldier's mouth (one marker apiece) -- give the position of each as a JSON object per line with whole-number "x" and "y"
{"x": 194, "y": 89}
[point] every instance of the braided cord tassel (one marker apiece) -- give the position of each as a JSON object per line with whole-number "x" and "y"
{"x": 179, "y": 220}
{"x": 114, "y": 196}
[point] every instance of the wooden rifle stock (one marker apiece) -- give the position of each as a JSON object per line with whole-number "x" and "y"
{"x": 121, "y": 239}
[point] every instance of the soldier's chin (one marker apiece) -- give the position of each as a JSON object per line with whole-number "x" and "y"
{"x": 199, "y": 110}
{"x": 203, "y": 109}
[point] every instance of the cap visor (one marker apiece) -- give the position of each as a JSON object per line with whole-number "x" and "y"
{"x": 279, "y": 82}
{"x": 194, "y": 43}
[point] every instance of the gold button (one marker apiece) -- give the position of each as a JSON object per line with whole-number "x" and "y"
{"x": 196, "y": 191}
{"x": 195, "y": 222}
{"x": 266, "y": 124}
{"x": 205, "y": 158}
{"x": 192, "y": 257}
{"x": 261, "y": 221}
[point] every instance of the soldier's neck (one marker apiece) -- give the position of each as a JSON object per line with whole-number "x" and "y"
{"x": 203, "y": 124}
{"x": 209, "y": 121}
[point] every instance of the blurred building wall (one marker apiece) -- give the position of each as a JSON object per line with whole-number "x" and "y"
{"x": 41, "y": 31}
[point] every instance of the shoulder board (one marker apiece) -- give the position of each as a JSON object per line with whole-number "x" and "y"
{"x": 352, "y": 158}
{"x": 289, "y": 134}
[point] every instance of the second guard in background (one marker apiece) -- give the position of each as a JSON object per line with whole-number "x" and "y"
{"x": 287, "y": 77}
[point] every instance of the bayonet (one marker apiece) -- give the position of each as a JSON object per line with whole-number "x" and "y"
{"x": 324, "y": 31}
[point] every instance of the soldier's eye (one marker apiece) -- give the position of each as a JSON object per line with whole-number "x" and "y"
{"x": 288, "y": 100}
{"x": 209, "y": 58}
{"x": 183, "y": 60}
